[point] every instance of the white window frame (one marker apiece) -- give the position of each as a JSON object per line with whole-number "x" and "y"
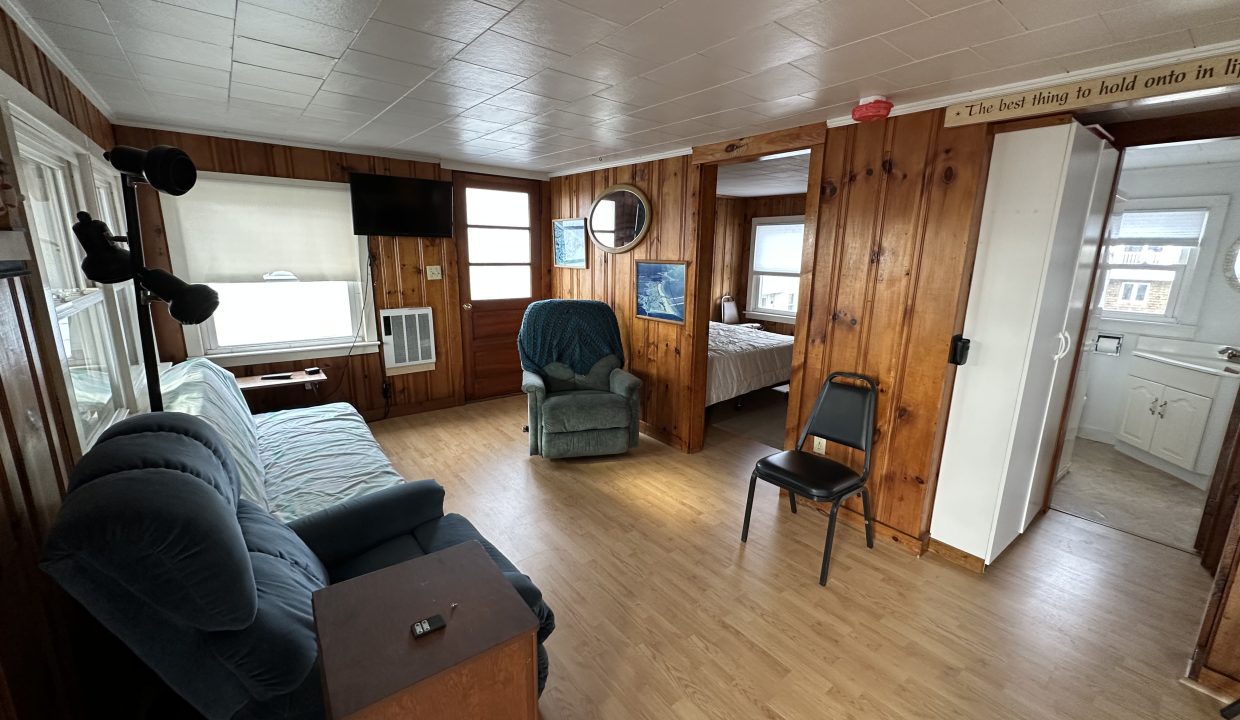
{"x": 1189, "y": 287}
{"x": 201, "y": 340}
{"x": 751, "y": 309}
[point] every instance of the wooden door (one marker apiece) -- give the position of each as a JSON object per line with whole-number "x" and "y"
{"x": 1181, "y": 423}
{"x": 497, "y": 228}
{"x": 1140, "y": 415}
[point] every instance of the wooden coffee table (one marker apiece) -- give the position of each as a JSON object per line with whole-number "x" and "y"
{"x": 483, "y": 664}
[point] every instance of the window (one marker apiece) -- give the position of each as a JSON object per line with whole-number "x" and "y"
{"x": 1149, "y": 261}
{"x": 775, "y": 268}
{"x": 282, "y": 256}
{"x": 498, "y": 237}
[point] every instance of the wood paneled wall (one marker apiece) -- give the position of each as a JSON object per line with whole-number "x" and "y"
{"x": 660, "y": 353}
{"x": 398, "y": 266}
{"x": 899, "y": 207}
{"x": 23, "y": 61}
{"x": 730, "y": 263}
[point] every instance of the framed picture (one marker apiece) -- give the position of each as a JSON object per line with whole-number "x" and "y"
{"x": 661, "y": 291}
{"x": 569, "y": 237}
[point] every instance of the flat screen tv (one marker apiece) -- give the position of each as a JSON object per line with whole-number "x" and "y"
{"x": 385, "y": 205}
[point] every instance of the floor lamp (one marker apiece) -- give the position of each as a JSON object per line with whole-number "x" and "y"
{"x": 168, "y": 170}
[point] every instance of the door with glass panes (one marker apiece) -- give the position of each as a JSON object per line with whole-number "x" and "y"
{"x": 497, "y": 221}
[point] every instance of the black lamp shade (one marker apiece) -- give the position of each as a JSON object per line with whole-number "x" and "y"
{"x": 167, "y": 169}
{"x": 188, "y": 304}
{"x": 106, "y": 261}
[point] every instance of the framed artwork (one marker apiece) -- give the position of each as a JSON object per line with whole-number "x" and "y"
{"x": 569, "y": 238}
{"x": 661, "y": 291}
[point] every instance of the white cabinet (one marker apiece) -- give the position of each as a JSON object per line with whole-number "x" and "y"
{"x": 1139, "y": 416}
{"x": 1165, "y": 421}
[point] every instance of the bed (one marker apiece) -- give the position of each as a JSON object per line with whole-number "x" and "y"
{"x": 742, "y": 359}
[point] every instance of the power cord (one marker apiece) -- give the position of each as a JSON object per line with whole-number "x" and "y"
{"x": 361, "y": 318}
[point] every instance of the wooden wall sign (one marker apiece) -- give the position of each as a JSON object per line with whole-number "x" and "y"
{"x": 1206, "y": 73}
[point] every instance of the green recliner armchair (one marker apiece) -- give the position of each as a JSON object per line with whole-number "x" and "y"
{"x": 581, "y": 400}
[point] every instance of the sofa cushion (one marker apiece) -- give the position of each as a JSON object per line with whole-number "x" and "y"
{"x": 203, "y": 389}
{"x": 316, "y": 457}
{"x": 452, "y": 529}
{"x": 390, "y": 552}
{"x": 265, "y": 534}
{"x": 585, "y": 443}
{"x": 559, "y": 377}
{"x": 584, "y": 410}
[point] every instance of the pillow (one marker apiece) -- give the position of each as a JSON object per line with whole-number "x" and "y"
{"x": 559, "y": 377}
{"x": 201, "y": 388}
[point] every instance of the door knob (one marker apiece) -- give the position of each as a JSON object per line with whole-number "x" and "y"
{"x": 468, "y": 306}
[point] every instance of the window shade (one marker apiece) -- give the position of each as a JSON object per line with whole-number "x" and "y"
{"x": 1169, "y": 225}
{"x": 777, "y": 248}
{"x": 239, "y": 230}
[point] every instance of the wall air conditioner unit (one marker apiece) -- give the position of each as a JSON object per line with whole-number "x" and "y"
{"x": 408, "y": 340}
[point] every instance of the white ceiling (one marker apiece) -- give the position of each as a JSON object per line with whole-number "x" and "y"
{"x": 550, "y": 86}
{"x": 1207, "y": 152}
{"x": 778, "y": 176}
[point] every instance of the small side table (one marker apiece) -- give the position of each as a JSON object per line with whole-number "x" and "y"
{"x": 256, "y": 382}
{"x": 482, "y": 665}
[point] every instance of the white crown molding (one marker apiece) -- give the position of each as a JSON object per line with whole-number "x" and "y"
{"x": 26, "y": 24}
{"x": 493, "y": 170}
{"x": 625, "y": 161}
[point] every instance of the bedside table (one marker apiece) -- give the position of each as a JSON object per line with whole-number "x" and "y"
{"x": 482, "y": 665}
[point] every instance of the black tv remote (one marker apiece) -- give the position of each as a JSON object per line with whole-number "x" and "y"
{"x": 422, "y": 628}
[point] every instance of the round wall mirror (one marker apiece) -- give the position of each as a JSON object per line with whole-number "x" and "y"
{"x": 619, "y": 218}
{"x": 1231, "y": 265}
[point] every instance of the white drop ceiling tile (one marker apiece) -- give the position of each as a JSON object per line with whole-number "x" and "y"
{"x": 515, "y": 99}
{"x": 509, "y": 136}
{"x": 858, "y": 60}
{"x": 1154, "y": 18}
{"x": 189, "y": 107}
{"x": 328, "y": 112}
{"x": 646, "y": 138}
{"x": 482, "y": 126}
{"x": 500, "y": 52}
{"x": 763, "y": 48}
{"x": 593, "y": 133}
{"x": 460, "y": 20}
{"x": 552, "y": 143}
{"x": 694, "y": 72}
{"x": 778, "y": 82}
{"x": 116, "y": 67}
{"x": 555, "y": 25}
{"x": 1034, "y": 14}
{"x": 377, "y": 135}
{"x": 223, "y": 8}
{"x": 973, "y": 25}
{"x": 400, "y": 43}
{"x": 483, "y": 144}
{"x": 76, "y": 13}
{"x": 157, "y": 44}
{"x": 278, "y": 57}
{"x": 363, "y": 87}
{"x": 605, "y": 65}
{"x": 688, "y": 128}
{"x": 68, "y": 37}
{"x": 171, "y": 86}
{"x": 495, "y": 113}
{"x": 326, "y": 98}
{"x": 1216, "y": 33}
{"x": 271, "y": 96}
{"x": 1038, "y": 69}
{"x": 423, "y": 108}
{"x": 1123, "y": 52}
{"x": 275, "y": 115}
{"x": 159, "y": 67}
{"x": 851, "y": 92}
{"x": 938, "y": 7}
{"x": 377, "y": 67}
{"x": 350, "y": 15}
{"x": 716, "y": 100}
{"x": 449, "y": 134}
{"x": 533, "y": 129}
{"x": 260, "y": 23}
{"x": 622, "y": 13}
{"x": 128, "y": 94}
{"x": 448, "y": 94}
{"x": 733, "y": 118}
{"x": 599, "y": 108}
{"x": 667, "y": 113}
{"x": 561, "y": 86}
{"x": 475, "y": 77}
{"x": 275, "y": 79}
{"x": 626, "y": 124}
{"x": 840, "y": 22}
{"x": 170, "y": 19}
{"x": 564, "y": 120}
{"x": 1075, "y": 36}
{"x": 782, "y": 107}
{"x": 938, "y": 69}
{"x": 687, "y": 26}
{"x": 640, "y": 92}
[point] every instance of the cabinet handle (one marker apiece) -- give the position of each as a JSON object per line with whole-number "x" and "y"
{"x": 1153, "y": 405}
{"x": 1162, "y": 409}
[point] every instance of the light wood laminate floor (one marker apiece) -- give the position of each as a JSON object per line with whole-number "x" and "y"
{"x": 662, "y": 612}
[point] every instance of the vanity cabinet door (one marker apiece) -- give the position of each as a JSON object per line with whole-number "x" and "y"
{"x": 1140, "y": 413}
{"x": 1181, "y": 424}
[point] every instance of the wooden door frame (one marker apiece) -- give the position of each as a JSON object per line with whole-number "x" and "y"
{"x": 461, "y": 181}
{"x": 731, "y": 152}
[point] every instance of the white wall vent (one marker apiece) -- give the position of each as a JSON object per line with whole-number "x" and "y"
{"x": 408, "y": 340}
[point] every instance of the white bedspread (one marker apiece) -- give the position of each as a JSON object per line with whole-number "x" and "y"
{"x": 741, "y": 360}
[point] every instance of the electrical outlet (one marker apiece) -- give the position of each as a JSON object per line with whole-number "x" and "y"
{"x": 820, "y": 446}
{"x": 434, "y": 272}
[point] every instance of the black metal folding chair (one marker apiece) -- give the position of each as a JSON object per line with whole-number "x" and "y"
{"x": 844, "y": 414}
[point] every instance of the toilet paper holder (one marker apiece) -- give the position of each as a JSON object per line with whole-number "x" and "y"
{"x": 1108, "y": 343}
